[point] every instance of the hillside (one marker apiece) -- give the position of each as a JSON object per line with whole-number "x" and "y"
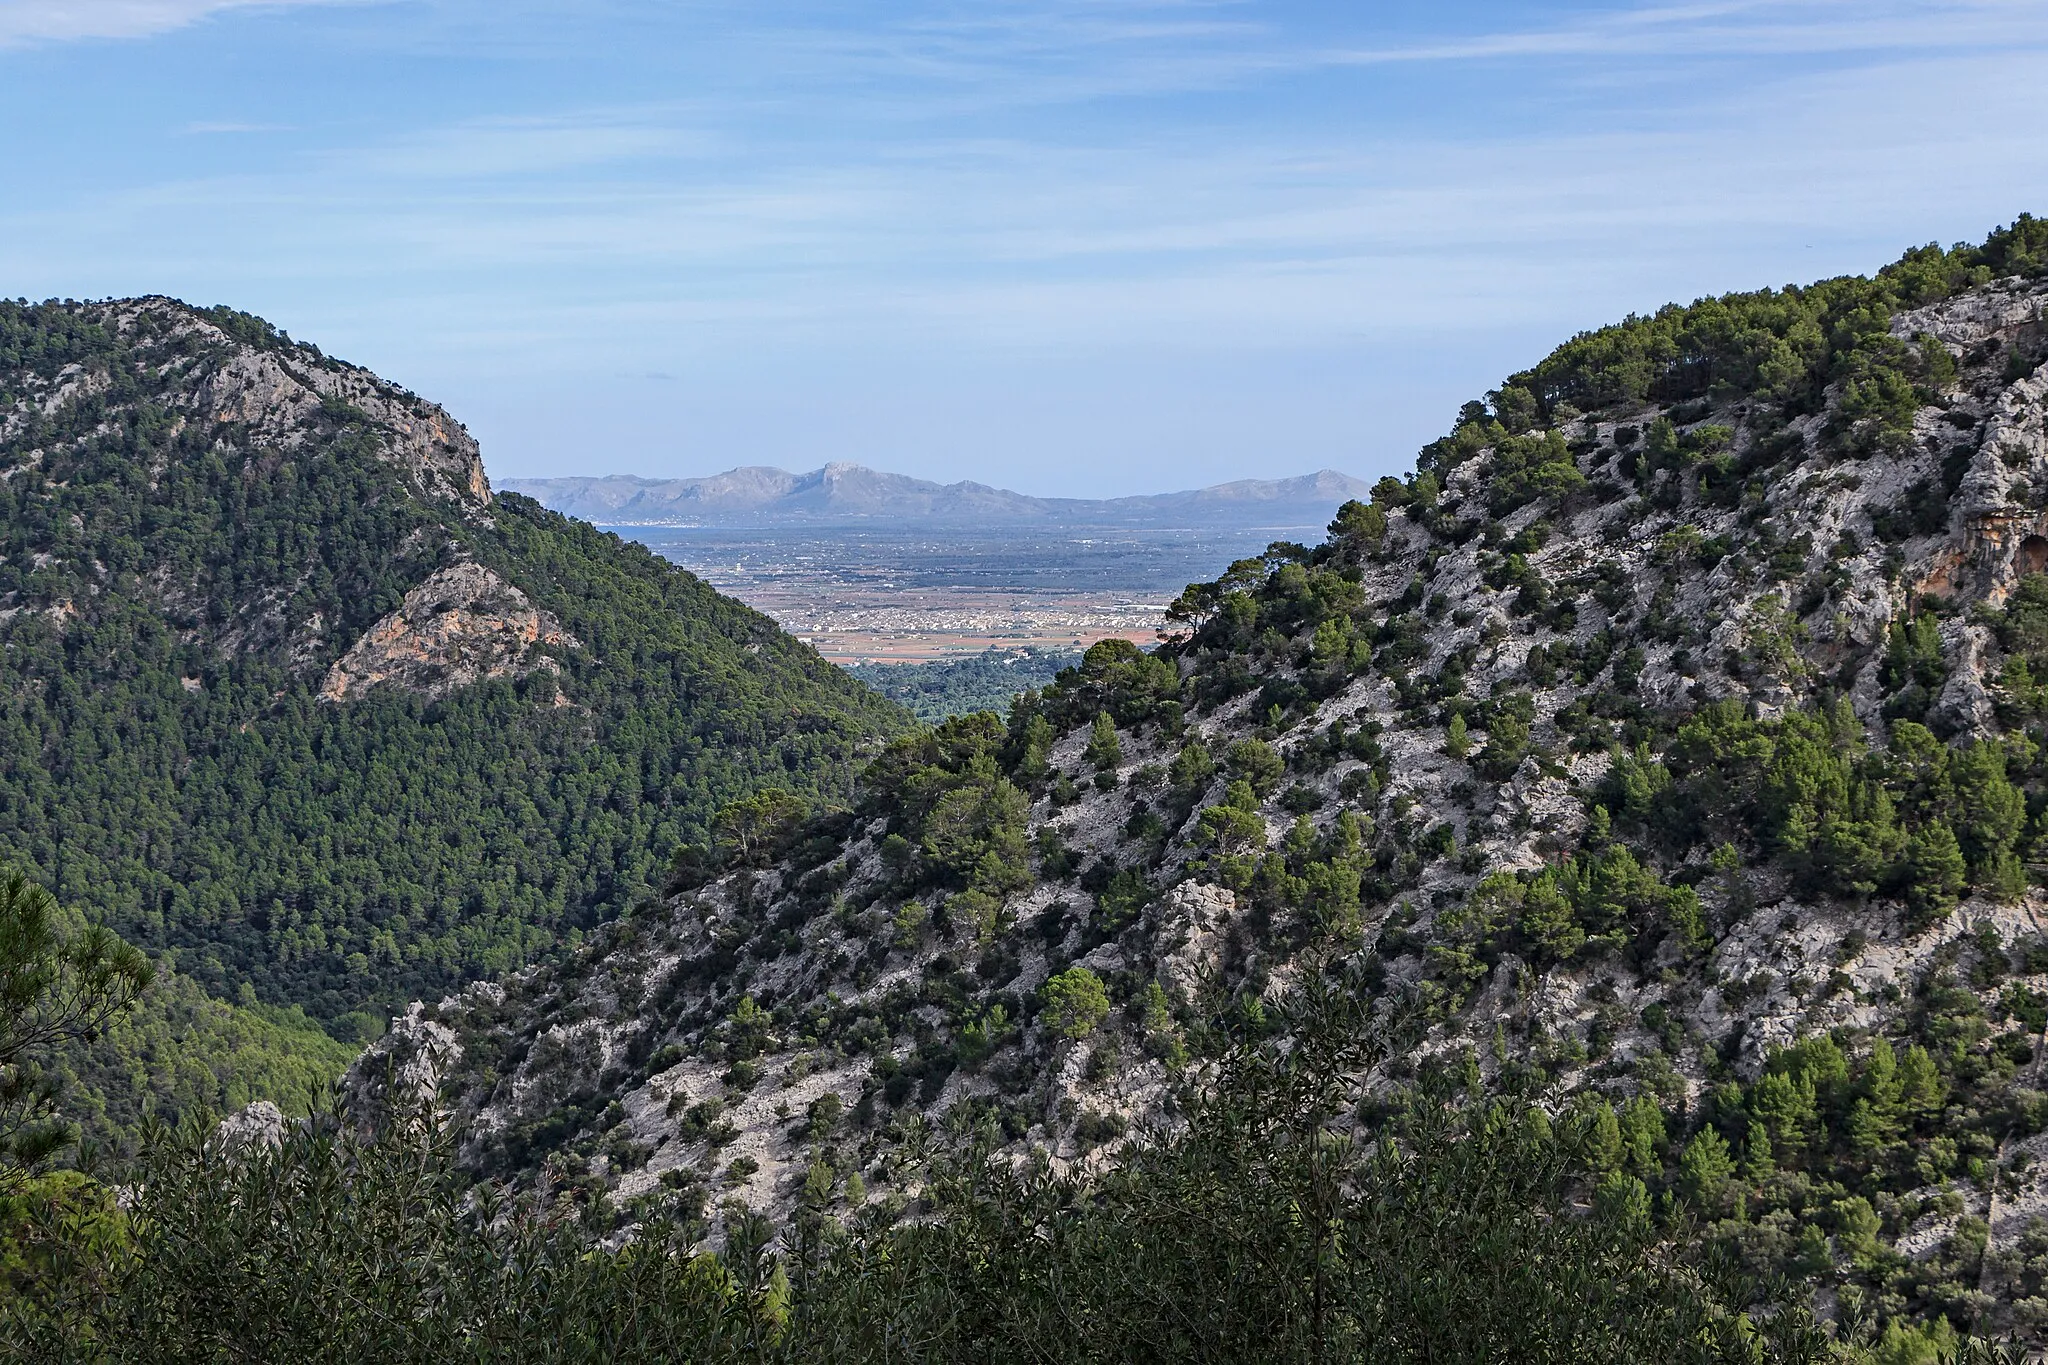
{"x": 843, "y": 493}
{"x": 291, "y": 699}
{"x": 1667, "y": 747}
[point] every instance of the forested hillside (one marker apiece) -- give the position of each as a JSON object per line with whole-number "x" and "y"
{"x": 1666, "y": 753}
{"x": 944, "y": 688}
{"x": 289, "y": 699}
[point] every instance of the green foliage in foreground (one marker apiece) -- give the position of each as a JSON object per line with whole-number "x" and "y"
{"x": 92, "y": 1037}
{"x": 1459, "y": 1229}
{"x": 57, "y": 985}
{"x": 944, "y": 688}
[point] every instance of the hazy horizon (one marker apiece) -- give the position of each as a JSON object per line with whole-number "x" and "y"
{"x": 685, "y": 476}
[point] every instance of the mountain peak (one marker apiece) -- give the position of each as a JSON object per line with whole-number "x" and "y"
{"x": 278, "y": 391}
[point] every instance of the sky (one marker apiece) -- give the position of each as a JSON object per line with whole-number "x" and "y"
{"x": 1079, "y": 247}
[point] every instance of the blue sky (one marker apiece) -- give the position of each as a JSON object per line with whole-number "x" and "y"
{"x": 1090, "y": 247}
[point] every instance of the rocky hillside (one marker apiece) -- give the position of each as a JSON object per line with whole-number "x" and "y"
{"x": 1668, "y": 745}
{"x": 292, "y": 700}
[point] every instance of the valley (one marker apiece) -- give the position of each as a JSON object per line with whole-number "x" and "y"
{"x": 1060, "y": 683}
{"x": 916, "y": 594}
{"x": 1624, "y": 835}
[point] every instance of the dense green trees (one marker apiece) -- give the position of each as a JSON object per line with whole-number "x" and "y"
{"x": 945, "y": 688}
{"x": 1785, "y": 345}
{"x": 174, "y": 591}
{"x": 959, "y": 821}
{"x": 1919, "y": 819}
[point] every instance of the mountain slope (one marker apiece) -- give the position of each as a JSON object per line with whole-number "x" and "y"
{"x": 850, "y": 493}
{"x": 289, "y": 697}
{"x": 1668, "y": 746}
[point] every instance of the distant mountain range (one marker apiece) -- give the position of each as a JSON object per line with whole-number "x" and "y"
{"x": 758, "y": 495}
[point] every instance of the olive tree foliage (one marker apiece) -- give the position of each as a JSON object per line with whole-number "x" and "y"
{"x": 1266, "y": 1223}
{"x": 56, "y": 985}
{"x": 326, "y": 1245}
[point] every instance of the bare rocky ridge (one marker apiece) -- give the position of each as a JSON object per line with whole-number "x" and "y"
{"x": 460, "y": 624}
{"x": 275, "y": 392}
{"x": 694, "y": 1043}
{"x": 275, "y": 398}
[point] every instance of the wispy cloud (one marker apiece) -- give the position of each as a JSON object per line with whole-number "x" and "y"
{"x": 204, "y": 128}
{"x": 29, "y": 21}
{"x": 512, "y": 147}
{"x": 1740, "y": 28}
{"x": 645, "y": 231}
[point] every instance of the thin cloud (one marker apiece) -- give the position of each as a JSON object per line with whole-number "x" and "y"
{"x": 1043, "y": 55}
{"x": 206, "y": 129}
{"x": 31, "y": 21}
{"x": 1238, "y": 245}
{"x": 516, "y": 147}
{"x": 1756, "y": 27}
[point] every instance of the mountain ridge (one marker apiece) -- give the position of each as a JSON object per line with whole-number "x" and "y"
{"x": 1667, "y": 748}
{"x": 844, "y": 492}
{"x": 296, "y": 703}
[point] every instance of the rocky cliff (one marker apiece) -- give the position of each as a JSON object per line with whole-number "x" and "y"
{"x": 1668, "y": 745}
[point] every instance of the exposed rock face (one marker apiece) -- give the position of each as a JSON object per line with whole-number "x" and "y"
{"x": 1193, "y": 922}
{"x": 460, "y": 626}
{"x": 412, "y": 1060}
{"x": 261, "y": 1124}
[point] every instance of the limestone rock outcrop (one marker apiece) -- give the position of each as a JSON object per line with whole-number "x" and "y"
{"x": 460, "y": 626}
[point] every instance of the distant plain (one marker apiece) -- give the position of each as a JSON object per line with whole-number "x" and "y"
{"x": 912, "y": 595}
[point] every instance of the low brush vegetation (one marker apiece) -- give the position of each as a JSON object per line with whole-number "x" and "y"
{"x": 1264, "y": 1226}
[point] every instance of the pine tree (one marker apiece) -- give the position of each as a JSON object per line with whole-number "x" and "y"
{"x": 1104, "y": 750}
{"x": 1603, "y": 1137}
{"x": 1881, "y": 1086}
{"x": 1989, "y": 811}
{"x": 1783, "y": 1105}
{"x": 1758, "y": 1163}
{"x": 1934, "y": 871}
{"x": 1705, "y": 1167}
{"x": 1921, "y": 1090}
{"x": 1865, "y": 1132}
{"x": 1642, "y": 1133}
{"x": 1038, "y": 737}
